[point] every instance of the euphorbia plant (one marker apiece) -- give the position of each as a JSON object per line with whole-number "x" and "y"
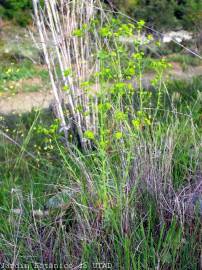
{"x": 84, "y": 42}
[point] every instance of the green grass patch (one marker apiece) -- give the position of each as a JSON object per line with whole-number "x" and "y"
{"x": 23, "y": 77}
{"x": 185, "y": 60}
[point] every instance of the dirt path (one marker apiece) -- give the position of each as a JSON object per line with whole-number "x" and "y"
{"x": 25, "y": 102}
{"x": 178, "y": 73}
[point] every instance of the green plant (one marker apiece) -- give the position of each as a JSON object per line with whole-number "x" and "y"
{"x": 121, "y": 224}
{"x": 17, "y": 77}
{"x": 185, "y": 60}
{"x": 175, "y": 14}
{"x": 19, "y": 11}
{"x": 120, "y": 202}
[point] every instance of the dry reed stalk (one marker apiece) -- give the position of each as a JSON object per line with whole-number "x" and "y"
{"x": 62, "y": 49}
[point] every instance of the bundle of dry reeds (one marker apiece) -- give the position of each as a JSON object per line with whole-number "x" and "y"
{"x": 69, "y": 48}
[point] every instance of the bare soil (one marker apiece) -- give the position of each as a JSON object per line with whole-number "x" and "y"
{"x": 24, "y": 102}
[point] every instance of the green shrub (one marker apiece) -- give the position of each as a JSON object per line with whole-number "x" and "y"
{"x": 164, "y": 13}
{"x": 19, "y": 11}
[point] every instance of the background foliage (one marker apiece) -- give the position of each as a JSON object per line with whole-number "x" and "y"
{"x": 157, "y": 13}
{"x": 163, "y": 13}
{"x": 19, "y": 11}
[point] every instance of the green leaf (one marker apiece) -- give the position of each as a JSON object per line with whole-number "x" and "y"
{"x": 67, "y": 72}
{"x": 89, "y": 135}
{"x": 167, "y": 257}
{"x": 120, "y": 116}
{"x": 118, "y": 135}
{"x": 105, "y": 32}
{"x": 66, "y": 88}
{"x": 78, "y": 33}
